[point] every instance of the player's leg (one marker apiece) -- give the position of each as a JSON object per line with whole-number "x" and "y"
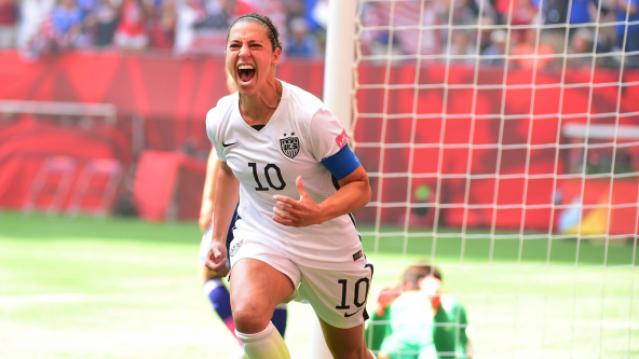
{"x": 256, "y": 289}
{"x": 346, "y": 343}
{"x": 214, "y": 289}
{"x": 338, "y": 296}
{"x": 220, "y": 299}
{"x": 280, "y": 316}
{"x": 218, "y": 294}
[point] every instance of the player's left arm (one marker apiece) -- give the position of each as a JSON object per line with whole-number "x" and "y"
{"x": 354, "y": 193}
{"x": 329, "y": 144}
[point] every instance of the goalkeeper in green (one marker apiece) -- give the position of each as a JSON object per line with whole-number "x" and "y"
{"x": 417, "y": 320}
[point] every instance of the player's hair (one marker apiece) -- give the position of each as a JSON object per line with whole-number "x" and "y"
{"x": 263, "y": 20}
{"x": 415, "y": 272}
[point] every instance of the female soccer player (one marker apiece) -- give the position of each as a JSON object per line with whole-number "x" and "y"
{"x": 298, "y": 182}
{"x": 417, "y": 319}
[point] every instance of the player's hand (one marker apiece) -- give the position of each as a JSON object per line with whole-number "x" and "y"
{"x": 297, "y": 213}
{"x": 216, "y": 261}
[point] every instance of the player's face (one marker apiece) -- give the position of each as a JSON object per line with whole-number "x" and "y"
{"x": 250, "y": 58}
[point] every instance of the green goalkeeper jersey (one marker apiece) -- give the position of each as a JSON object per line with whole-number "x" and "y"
{"x": 416, "y": 328}
{"x": 449, "y": 333}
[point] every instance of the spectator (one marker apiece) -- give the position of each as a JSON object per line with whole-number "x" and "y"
{"x": 374, "y": 41}
{"x": 627, "y": 12}
{"x": 582, "y": 11}
{"x": 301, "y": 43}
{"x": 33, "y": 14}
{"x": 317, "y": 13}
{"x": 533, "y": 53}
{"x": 404, "y": 325}
{"x": 495, "y": 53}
{"x": 190, "y": 13}
{"x": 553, "y": 12}
{"x": 461, "y": 49}
{"x": 87, "y": 6}
{"x": 66, "y": 26}
{"x": 217, "y": 15}
{"x": 131, "y": 31}
{"x": 520, "y": 13}
{"x": 412, "y": 17}
{"x": 465, "y": 12}
{"x": 8, "y": 23}
{"x": 295, "y": 9}
{"x": 106, "y": 20}
{"x": 606, "y": 36}
{"x": 161, "y": 25}
{"x": 581, "y": 48}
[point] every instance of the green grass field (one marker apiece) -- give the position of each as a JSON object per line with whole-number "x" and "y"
{"x": 123, "y": 288}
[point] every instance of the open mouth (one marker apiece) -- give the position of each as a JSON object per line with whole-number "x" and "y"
{"x": 245, "y": 73}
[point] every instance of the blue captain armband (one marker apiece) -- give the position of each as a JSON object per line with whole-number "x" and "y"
{"x": 343, "y": 163}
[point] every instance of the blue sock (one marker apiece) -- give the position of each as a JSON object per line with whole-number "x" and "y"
{"x": 219, "y": 297}
{"x": 279, "y": 319}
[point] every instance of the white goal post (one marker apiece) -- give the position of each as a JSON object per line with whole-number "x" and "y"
{"x": 339, "y": 60}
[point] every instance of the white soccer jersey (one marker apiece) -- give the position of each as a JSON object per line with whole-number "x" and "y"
{"x": 300, "y": 133}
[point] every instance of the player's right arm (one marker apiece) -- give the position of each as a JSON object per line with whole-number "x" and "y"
{"x": 225, "y": 197}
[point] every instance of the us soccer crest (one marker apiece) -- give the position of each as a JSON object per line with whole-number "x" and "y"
{"x": 290, "y": 145}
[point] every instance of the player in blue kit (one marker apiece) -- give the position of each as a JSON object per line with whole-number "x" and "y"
{"x": 298, "y": 182}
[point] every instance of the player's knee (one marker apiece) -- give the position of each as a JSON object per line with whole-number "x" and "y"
{"x": 250, "y": 318}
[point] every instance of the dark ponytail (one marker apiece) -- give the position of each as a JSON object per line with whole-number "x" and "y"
{"x": 273, "y": 34}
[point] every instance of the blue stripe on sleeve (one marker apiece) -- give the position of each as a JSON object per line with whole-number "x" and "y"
{"x": 343, "y": 163}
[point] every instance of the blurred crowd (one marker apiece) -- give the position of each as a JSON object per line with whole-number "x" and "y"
{"x": 183, "y": 26}
{"x": 531, "y": 32}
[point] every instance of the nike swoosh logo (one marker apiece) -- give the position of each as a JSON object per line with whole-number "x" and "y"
{"x": 347, "y": 315}
{"x": 228, "y": 144}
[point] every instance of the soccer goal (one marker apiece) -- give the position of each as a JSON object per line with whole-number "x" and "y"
{"x": 501, "y": 142}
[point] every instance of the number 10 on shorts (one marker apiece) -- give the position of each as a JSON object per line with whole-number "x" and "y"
{"x": 359, "y": 291}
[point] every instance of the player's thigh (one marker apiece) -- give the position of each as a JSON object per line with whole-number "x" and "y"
{"x": 259, "y": 285}
{"x": 338, "y": 296}
{"x": 344, "y": 343}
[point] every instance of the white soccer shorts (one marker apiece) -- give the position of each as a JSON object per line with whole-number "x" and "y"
{"x": 338, "y": 297}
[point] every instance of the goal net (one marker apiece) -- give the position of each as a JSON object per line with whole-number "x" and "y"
{"x": 502, "y": 143}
